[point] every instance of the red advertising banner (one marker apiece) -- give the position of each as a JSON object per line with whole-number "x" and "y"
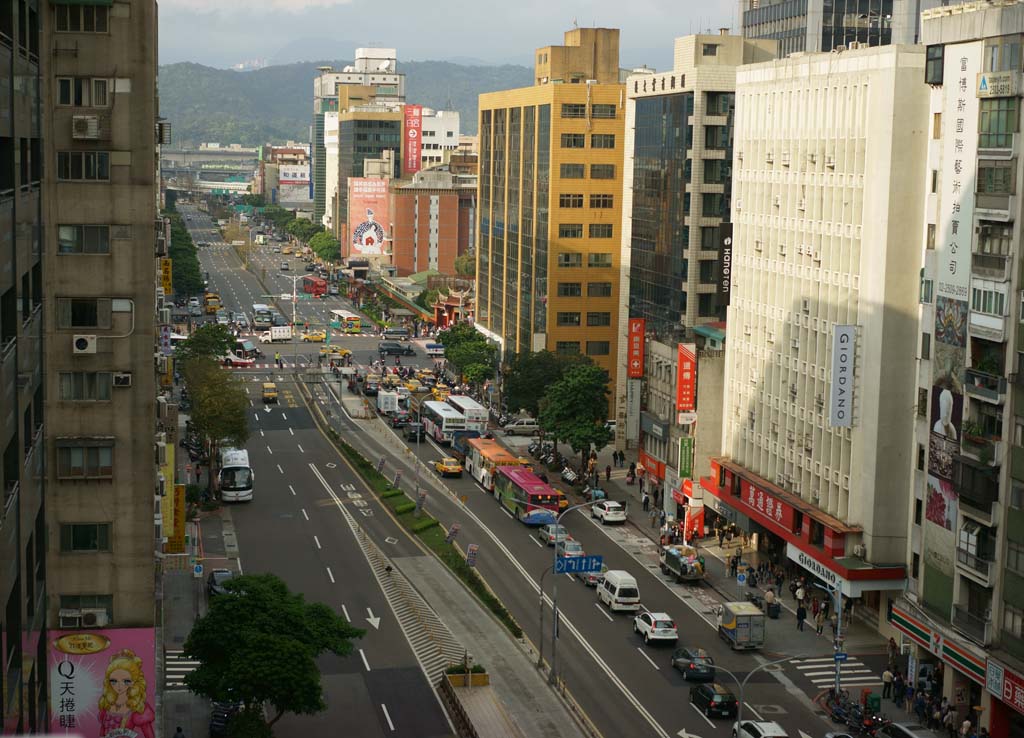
{"x": 413, "y": 138}
{"x": 635, "y": 359}
{"x": 368, "y": 214}
{"x": 686, "y": 379}
{"x": 768, "y": 507}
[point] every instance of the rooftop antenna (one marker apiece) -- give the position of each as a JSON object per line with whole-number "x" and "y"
{"x": 574, "y": 23}
{"x": 448, "y": 102}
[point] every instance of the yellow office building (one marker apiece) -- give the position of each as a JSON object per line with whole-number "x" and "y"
{"x": 550, "y": 203}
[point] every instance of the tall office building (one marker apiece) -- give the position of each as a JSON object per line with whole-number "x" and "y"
{"x": 550, "y": 203}
{"x": 677, "y": 179}
{"x": 826, "y": 196}
{"x": 964, "y": 604}
{"x": 823, "y": 25}
{"x": 23, "y": 528}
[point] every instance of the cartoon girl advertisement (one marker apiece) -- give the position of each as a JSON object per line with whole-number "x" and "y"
{"x": 102, "y": 683}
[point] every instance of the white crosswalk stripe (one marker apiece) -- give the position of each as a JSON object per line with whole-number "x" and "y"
{"x": 176, "y": 667}
{"x": 821, "y": 672}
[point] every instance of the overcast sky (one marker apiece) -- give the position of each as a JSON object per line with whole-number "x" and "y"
{"x": 230, "y": 31}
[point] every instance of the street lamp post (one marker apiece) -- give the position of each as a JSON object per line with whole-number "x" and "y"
{"x": 295, "y": 301}
{"x": 743, "y": 684}
{"x": 837, "y": 637}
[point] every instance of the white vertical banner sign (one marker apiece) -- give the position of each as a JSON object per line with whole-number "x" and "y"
{"x": 633, "y": 387}
{"x": 840, "y": 395}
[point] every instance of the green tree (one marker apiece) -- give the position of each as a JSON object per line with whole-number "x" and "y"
{"x": 259, "y": 643}
{"x": 278, "y": 216}
{"x": 426, "y": 298}
{"x": 458, "y": 333}
{"x": 574, "y": 409}
{"x": 530, "y": 374}
{"x": 325, "y": 246}
{"x": 220, "y": 406}
{"x": 303, "y": 229}
{"x": 465, "y": 265}
{"x": 255, "y": 201}
{"x": 208, "y": 341}
{"x": 186, "y": 277}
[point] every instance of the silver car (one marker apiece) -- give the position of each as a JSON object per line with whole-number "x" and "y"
{"x": 552, "y": 534}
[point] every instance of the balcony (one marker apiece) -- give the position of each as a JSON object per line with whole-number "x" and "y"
{"x": 976, "y": 627}
{"x": 977, "y": 484}
{"x": 986, "y": 387}
{"x": 979, "y": 564}
{"x": 10, "y": 495}
{"x": 989, "y": 327}
{"x": 991, "y": 266}
{"x": 983, "y": 449}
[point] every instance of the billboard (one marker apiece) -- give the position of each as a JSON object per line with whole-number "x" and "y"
{"x": 686, "y": 378}
{"x": 102, "y": 683}
{"x": 635, "y": 359}
{"x": 724, "y": 263}
{"x": 840, "y": 391}
{"x": 413, "y": 130}
{"x": 166, "y": 275}
{"x": 368, "y": 214}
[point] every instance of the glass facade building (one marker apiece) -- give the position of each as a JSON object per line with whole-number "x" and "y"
{"x": 842, "y": 22}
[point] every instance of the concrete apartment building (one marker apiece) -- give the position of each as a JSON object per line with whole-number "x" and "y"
{"x": 964, "y": 605}
{"x": 676, "y": 195}
{"x": 826, "y": 195}
{"x": 432, "y": 219}
{"x": 23, "y": 524}
{"x": 282, "y": 175}
{"x": 440, "y": 136}
{"x": 550, "y": 203}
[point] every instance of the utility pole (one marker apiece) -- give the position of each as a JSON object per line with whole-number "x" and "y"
{"x": 295, "y": 300}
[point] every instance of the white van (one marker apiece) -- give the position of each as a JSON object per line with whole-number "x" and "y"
{"x": 619, "y": 591}
{"x": 522, "y": 427}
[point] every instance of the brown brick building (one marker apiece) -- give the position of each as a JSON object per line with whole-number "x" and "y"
{"x": 433, "y": 218}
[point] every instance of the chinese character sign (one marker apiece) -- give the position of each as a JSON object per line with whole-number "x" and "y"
{"x": 413, "y": 136}
{"x": 686, "y": 380}
{"x": 768, "y": 507}
{"x": 102, "y": 683}
{"x": 635, "y": 352}
{"x": 368, "y": 215}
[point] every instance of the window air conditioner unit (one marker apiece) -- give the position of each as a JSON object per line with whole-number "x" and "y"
{"x": 801, "y": 204}
{"x": 757, "y": 246}
{"x": 85, "y": 127}
{"x": 785, "y": 158}
{"x": 82, "y": 344}
{"x": 830, "y": 161}
{"x": 122, "y": 379}
{"x": 769, "y": 158}
{"x": 860, "y": 550}
{"x": 777, "y": 200}
{"x": 161, "y": 246}
{"x": 812, "y": 157}
{"x": 94, "y": 617}
{"x": 165, "y": 316}
{"x": 70, "y": 618}
{"x": 161, "y": 454}
{"x": 161, "y": 364}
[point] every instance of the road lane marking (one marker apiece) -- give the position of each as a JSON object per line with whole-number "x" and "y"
{"x": 705, "y": 717}
{"x": 601, "y": 610}
{"x": 257, "y": 416}
{"x": 649, "y": 660}
{"x": 291, "y": 489}
{"x": 306, "y": 517}
{"x": 387, "y": 716}
{"x": 365, "y": 662}
{"x": 280, "y": 469}
{"x": 537, "y": 541}
{"x": 756, "y": 713}
{"x": 330, "y": 574}
{"x": 301, "y": 450}
{"x": 284, "y": 417}
{"x": 262, "y": 434}
{"x": 317, "y": 542}
{"x": 269, "y": 450}
{"x": 291, "y": 431}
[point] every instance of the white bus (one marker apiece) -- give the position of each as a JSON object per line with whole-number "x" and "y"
{"x": 236, "y": 478}
{"x": 440, "y": 420}
{"x": 262, "y": 316}
{"x": 474, "y": 413}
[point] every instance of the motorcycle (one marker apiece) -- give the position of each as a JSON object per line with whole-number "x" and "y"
{"x": 569, "y": 475}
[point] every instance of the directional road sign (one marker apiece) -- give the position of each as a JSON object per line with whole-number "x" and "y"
{"x": 578, "y": 564}
{"x": 839, "y": 656}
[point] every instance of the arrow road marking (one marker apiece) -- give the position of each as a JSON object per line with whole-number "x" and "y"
{"x": 375, "y": 622}
{"x": 684, "y": 733}
{"x": 266, "y": 408}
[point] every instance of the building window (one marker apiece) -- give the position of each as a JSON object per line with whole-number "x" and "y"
{"x": 85, "y": 386}
{"x": 570, "y": 201}
{"x": 709, "y": 49}
{"x": 927, "y": 290}
{"x": 915, "y": 565}
{"x": 84, "y": 537}
{"x": 570, "y": 260}
{"x": 715, "y": 205}
{"x": 1002, "y": 54}
{"x": 599, "y": 260}
{"x": 569, "y": 289}
{"x": 933, "y": 65}
{"x": 83, "y": 312}
{"x": 926, "y": 346}
{"x": 602, "y": 171}
{"x": 88, "y": 166}
{"x": 988, "y": 302}
{"x": 707, "y": 307}
{"x": 567, "y": 347}
{"x": 922, "y": 402}
{"x": 598, "y": 348}
{"x": 920, "y": 467}
{"x": 936, "y": 125}
{"x": 572, "y": 171}
{"x": 83, "y": 92}
{"x": 602, "y": 140}
{"x": 930, "y": 244}
{"x": 89, "y": 602}
{"x": 597, "y": 320}
{"x": 1018, "y": 430}
{"x": 602, "y": 111}
{"x": 602, "y": 201}
{"x": 997, "y": 178}
{"x": 83, "y": 239}
{"x": 568, "y": 319}
{"x": 1015, "y": 557}
{"x": 997, "y": 122}
{"x": 574, "y": 141}
{"x": 81, "y": 18}
{"x": 570, "y": 230}
{"x": 707, "y": 271}
{"x": 574, "y": 110}
{"x": 600, "y": 230}
{"x": 599, "y": 289}
{"x": 92, "y": 461}
{"x": 715, "y": 171}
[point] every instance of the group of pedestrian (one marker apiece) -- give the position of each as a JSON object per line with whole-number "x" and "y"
{"x": 618, "y": 459}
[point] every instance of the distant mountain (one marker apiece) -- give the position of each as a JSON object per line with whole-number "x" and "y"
{"x": 276, "y": 103}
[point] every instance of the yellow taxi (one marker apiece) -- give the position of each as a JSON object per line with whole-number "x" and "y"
{"x": 314, "y": 336}
{"x": 334, "y": 350}
{"x": 440, "y": 393}
{"x": 269, "y": 392}
{"x": 448, "y": 467}
{"x": 413, "y": 385}
{"x": 286, "y": 250}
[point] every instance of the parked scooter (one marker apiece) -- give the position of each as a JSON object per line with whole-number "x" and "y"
{"x": 569, "y": 475}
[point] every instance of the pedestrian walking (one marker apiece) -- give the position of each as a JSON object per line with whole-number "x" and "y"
{"x": 965, "y": 729}
{"x": 799, "y": 594}
{"x": 897, "y": 689}
{"x": 815, "y": 606}
{"x": 887, "y": 679}
{"x": 641, "y": 485}
{"x": 908, "y": 697}
{"x": 801, "y": 616}
{"x": 645, "y": 501}
{"x": 654, "y": 518}
{"x": 819, "y": 622}
{"x": 721, "y": 537}
{"x": 661, "y": 516}
{"x": 179, "y": 733}
{"x": 892, "y": 649}
{"x": 608, "y": 473}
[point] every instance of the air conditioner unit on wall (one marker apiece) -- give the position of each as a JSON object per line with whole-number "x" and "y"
{"x": 70, "y": 618}
{"x": 860, "y": 550}
{"x": 94, "y": 617}
{"x": 82, "y": 344}
{"x": 122, "y": 379}
{"x": 85, "y": 127}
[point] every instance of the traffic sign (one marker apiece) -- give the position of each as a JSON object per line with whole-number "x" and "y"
{"x": 840, "y": 657}
{"x": 197, "y": 571}
{"x": 578, "y": 564}
{"x": 741, "y": 578}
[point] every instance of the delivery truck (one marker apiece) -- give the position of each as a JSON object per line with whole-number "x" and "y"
{"x": 683, "y": 563}
{"x": 741, "y": 625}
{"x": 387, "y": 402}
{"x": 276, "y": 333}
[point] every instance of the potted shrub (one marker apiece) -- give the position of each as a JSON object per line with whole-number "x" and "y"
{"x": 477, "y": 677}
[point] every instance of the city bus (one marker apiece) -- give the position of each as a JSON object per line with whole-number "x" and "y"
{"x": 440, "y": 420}
{"x": 483, "y": 456}
{"x": 262, "y": 316}
{"x": 346, "y": 322}
{"x": 315, "y": 286}
{"x": 474, "y": 413}
{"x": 235, "y": 479}
{"x": 524, "y": 494}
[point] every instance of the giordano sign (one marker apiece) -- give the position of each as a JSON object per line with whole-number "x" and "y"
{"x": 816, "y": 568}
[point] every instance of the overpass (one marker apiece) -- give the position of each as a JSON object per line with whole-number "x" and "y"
{"x": 189, "y": 157}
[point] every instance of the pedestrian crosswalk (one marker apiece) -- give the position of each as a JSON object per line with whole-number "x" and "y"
{"x": 176, "y": 667}
{"x": 822, "y": 672}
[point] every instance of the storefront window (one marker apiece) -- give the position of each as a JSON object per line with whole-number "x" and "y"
{"x": 798, "y": 522}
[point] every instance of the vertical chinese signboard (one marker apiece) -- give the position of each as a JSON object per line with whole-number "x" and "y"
{"x": 840, "y": 397}
{"x": 686, "y": 379}
{"x": 635, "y": 354}
{"x": 413, "y": 135}
{"x": 686, "y": 457}
{"x": 165, "y": 275}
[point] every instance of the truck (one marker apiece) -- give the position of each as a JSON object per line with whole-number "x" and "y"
{"x": 682, "y": 562}
{"x": 261, "y": 239}
{"x": 460, "y": 444}
{"x": 276, "y": 333}
{"x": 212, "y": 303}
{"x": 741, "y": 625}
{"x": 387, "y": 402}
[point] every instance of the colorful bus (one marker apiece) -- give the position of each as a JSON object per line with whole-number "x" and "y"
{"x": 484, "y": 455}
{"x": 474, "y": 413}
{"x": 346, "y": 321}
{"x": 525, "y": 495}
{"x": 440, "y": 420}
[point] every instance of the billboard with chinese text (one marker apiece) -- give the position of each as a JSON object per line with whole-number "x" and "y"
{"x": 413, "y": 131}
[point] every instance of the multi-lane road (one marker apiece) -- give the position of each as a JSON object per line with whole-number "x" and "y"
{"x": 296, "y": 529}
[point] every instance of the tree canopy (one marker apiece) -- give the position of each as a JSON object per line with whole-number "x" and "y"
{"x": 465, "y": 265}
{"x": 529, "y": 375}
{"x": 220, "y": 406}
{"x": 258, "y": 644}
{"x": 575, "y": 408}
{"x": 467, "y": 350}
{"x": 186, "y": 277}
{"x": 208, "y": 341}
{"x": 325, "y": 246}
{"x": 303, "y": 229}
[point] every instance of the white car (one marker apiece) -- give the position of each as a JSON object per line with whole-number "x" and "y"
{"x": 655, "y": 626}
{"x": 758, "y": 729}
{"x": 608, "y": 511}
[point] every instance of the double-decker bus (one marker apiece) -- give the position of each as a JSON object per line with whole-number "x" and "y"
{"x": 474, "y": 413}
{"x": 236, "y": 478}
{"x": 525, "y": 495}
{"x": 483, "y": 457}
{"x": 346, "y": 322}
{"x": 262, "y": 316}
{"x": 440, "y": 420}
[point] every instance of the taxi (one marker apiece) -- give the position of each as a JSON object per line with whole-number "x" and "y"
{"x": 314, "y": 336}
{"x": 448, "y": 467}
{"x": 413, "y": 385}
{"x": 440, "y": 392}
{"x": 334, "y": 350}
{"x": 269, "y": 392}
